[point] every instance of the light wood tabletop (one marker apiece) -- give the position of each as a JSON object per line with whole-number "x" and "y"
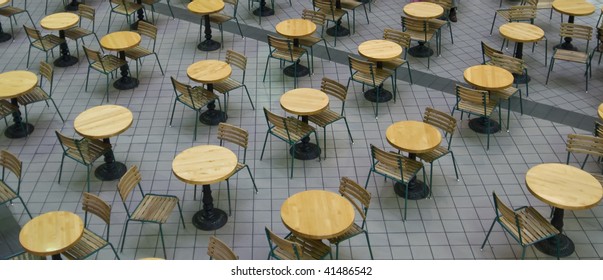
{"x": 17, "y": 83}
{"x": 3, "y": 2}
{"x": 103, "y": 121}
{"x": 295, "y": 28}
{"x": 423, "y": 10}
{"x": 204, "y": 164}
{"x": 488, "y": 77}
{"x": 209, "y": 71}
{"x": 600, "y": 111}
{"x": 120, "y": 40}
{"x": 51, "y": 233}
{"x": 304, "y": 101}
{"x": 521, "y": 32}
{"x": 379, "y": 50}
{"x": 317, "y": 214}
{"x": 205, "y": 7}
{"x": 573, "y": 7}
{"x": 59, "y": 21}
{"x": 413, "y": 136}
{"x": 564, "y": 186}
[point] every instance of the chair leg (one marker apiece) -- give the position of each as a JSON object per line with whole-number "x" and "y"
{"x": 324, "y": 140}
{"x": 345, "y": 120}
{"x": 264, "y": 147}
{"x": 114, "y": 251}
{"x": 196, "y": 122}
{"x": 454, "y": 164}
{"x": 228, "y": 192}
{"x": 249, "y": 96}
{"x": 368, "y": 242}
{"x": 181, "y": 217}
{"x": 162, "y": 241}
{"x": 293, "y": 160}
{"x": 368, "y": 178}
{"x": 25, "y": 206}
{"x": 488, "y": 234}
{"x": 61, "y": 167}
{"x": 252, "y": 180}
{"x": 266, "y": 68}
{"x": 159, "y": 63}
{"x": 88, "y": 178}
{"x": 57, "y": 108}
{"x": 123, "y": 239}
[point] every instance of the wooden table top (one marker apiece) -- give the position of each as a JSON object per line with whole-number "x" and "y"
{"x": 521, "y": 32}
{"x": 423, "y": 10}
{"x": 573, "y": 7}
{"x": 17, "y": 83}
{"x": 413, "y": 136}
{"x": 317, "y": 214}
{"x": 304, "y": 101}
{"x": 120, "y": 40}
{"x": 51, "y": 233}
{"x": 205, "y": 7}
{"x": 564, "y": 186}
{"x": 103, "y": 121}
{"x": 209, "y": 71}
{"x": 3, "y": 2}
{"x": 204, "y": 164}
{"x": 488, "y": 77}
{"x": 59, "y": 21}
{"x": 295, "y": 28}
{"x": 379, "y": 50}
{"x": 600, "y": 111}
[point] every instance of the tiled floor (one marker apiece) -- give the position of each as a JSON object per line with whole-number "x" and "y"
{"x": 451, "y": 225}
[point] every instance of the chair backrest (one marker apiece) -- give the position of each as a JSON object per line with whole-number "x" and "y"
{"x": 398, "y": 37}
{"x": 127, "y": 183}
{"x": 326, "y": 7}
{"x": 315, "y": 17}
{"x": 80, "y": 147}
{"x": 365, "y": 67}
{"x": 392, "y": 160}
{"x": 530, "y": 2}
{"x": 87, "y": 12}
{"x": 96, "y": 206}
{"x": 283, "y": 249}
{"x": 441, "y": 120}
{"x": 233, "y": 134}
{"x": 12, "y": 163}
{"x": 147, "y": 29}
{"x": 46, "y": 71}
{"x": 474, "y": 96}
{"x": 506, "y": 215}
{"x": 522, "y": 13}
{"x": 584, "y": 144}
{"x": 487, "y": 52}
{"x": 598, "y": 129}
{"x": 186, "y": 90}
{"x": 218, "y": 250}
{"x": 93, "y": 56}
{"x": 334, "y": 88}
{"x": 359, "y": 197}
{"x": 281, "y": 44}
{"x": 237, "y": 59}
{"x": 416, "y": 25}
{"x": 511, "y": 64}
{"x": 33, "y": 34}
{"x": 576, "y": 31}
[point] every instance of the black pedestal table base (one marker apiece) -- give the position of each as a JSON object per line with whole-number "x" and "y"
{"x": 384, "y": 95}
{"x": 110, "y": 171}
{"x": 521, "y": 79}
{"x": 209, "y": 45}
{"x": 19, "y": 130}
{"x": 65, "y": 61}
{"x": 125, "y": 83}
{"x": 263, "y": 11}
{"x": 416, "y": 190}
{"x": 213, "y": 117}
{"x": 209, "y": 218}
{"x": 4, "y": 36}
{"x": 299, "y": 71}
{"x": 480, "y": 125}
{"x": 57, "y": 257}
{"x": 549, "y": 246}
{"x": 305, "y": 151}
{"x": 72, "y": 6}
{"x": 420, "y": 50}
{"x": 338, "y": 31}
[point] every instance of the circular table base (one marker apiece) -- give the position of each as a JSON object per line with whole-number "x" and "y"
{"x": 212, "y": 221}
{"x": 420, "y": 51}
{"x": 72, "y": 7}
{"x": 65, "y": 61}
{"x": 521, "y": 79}
{"x": 125, "y": 83}
{"x": 566, "y": 46}
{"x": 416, "y": 190}
{"x": 305, "y": 151}
{"x": 213, "y": 117}
{"x": 479, "y": 125}
{"x": 342, "y": 31}
{"x": 384, "y": 95}
{"x": 549, "y": 246}
{"x": 5, "y": 37}
{"x": 209, "y": 45}
{"x": 18, "y": 131}
{"x": 110, "y": 171}
{"x": 298, "y": 71}
{"x": 263, "y": 12}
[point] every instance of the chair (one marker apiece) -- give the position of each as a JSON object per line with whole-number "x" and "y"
{"x": 366, "y": 73}
{"x": 10, "y": 162}
{"x": 475, "y": 102}
{"x": 394, "y": 166}
{"x": 309, "y": 41}
{"x": 38, "y": 93}
{"x": 327, "y": 7}
{"x": 221, "y": 18}
{"x": 402, "y": 39}
{"x": 153, "y": 208}
{"x": 328, "y": 116}
{"x": 517, "y": 67}
{"x": 516, "y": 13}
{"x": 91, "y": 243}
{"x": 24, "y": 256}
{"x": 290, "y": 130}
{"x": 353, "y": 5}
{"x": 152, "y": 4}
{"x": 524, "y": 224}
{"x": 125, "y": 8}
{"x": 226, "y": 86}
{"x": 45, "y": 43}
{"x": 104, "y": 64}
{"x": 7, "y": 109}
{"x": 239, "y": 137}
{"x": 421, "y": 31}
{"x": 137, "y": 53}
{"x": 284, "y": 51}
{"x": 444, "y": 19}
{"x": 192, "y": 97}
{"x": 217, "y": 250}
{"x": 78, "y": 32}
{"x": 574, "y": 31}
{"x": 584, "y": 144}
{"x": 360, "y": 199}
{"x": 12, "y": 11}
{"x": 487, "y": 53}
{"x": 295, "y": 248}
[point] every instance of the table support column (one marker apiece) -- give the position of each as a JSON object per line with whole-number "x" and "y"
{"x": 208, "y": 44}
{"x": 66, "y": 59}
{"x": 111, "y": 169}
{"x": 140, "y": 13}
{"x": 212, "y": 116}
{"x": 567, "y": 45}
{"x": 126, "y": 81}
{"x": 209, "y": 218}
{"x": 549, "y": 246}
{"x": 57, "y": 257}
{"x": 305, "y": 150}
{"x": 520, "y": 79}
{"x": 417, "y": 189}
{"x": 19, "y": 129}
{"x": 296, "y": 70}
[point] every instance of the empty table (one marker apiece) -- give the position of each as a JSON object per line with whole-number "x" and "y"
{"x": 379, "y": 51}
{"x": 13, "y": 85}
{"x": 424, "y": 11}
{"x": 295, "y": 29}
{"x": 121, "y": 41}
{"x": 51, "y": 233}
{"x": 4, "y": 36}
{"x": 572, "y": 8}
{"x": 206, "y": 165}
{"x": 205, "y": 8}
{"x": 61, "y": 22}
{"x": 209, "y": 72}
{"x": 103, "y": 122}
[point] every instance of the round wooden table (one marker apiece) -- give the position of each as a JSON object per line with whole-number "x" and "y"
{"x": 205, "y": 8}
{"x": 51, "y": 233}
{"x": 13, "y": 85}
{"x": 294, "y": 29}
{"x": 521, "y": 32}
{"x": 565, "y": 188}
{"x": 572, "y": 8}
{"x": 424, "y": 11}
{"x": 209, "y": 72}
{"x": 379, "y": 51}
{"x": 72, "y": 6}
{"x": 121, "y": 41}
{"x": 62, "y": 22}
{"x": 103, "y": 122}
{"x": 487, "y": 77}
{"x": 413, "y": 137}
{"x": 4, "y": 36}
{"x": 304, "y": 102}
{"x": 317, "y": 214}
{"x": 205, "y": 165}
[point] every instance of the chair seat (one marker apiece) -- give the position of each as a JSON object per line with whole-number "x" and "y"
{"x": 505, "y": 94}
{"x": 227, "y": 85}
{"x": 436, "y": 23}
{"x": 477, "y": 109}
{"x": 295, "y": 135}
{"x": 127, "y": 9}
{"x": 137, "y": 52}
{"x": 36, "y": 95}
{"x": 380, "y": 76}
{"x": 10, "y": 11}
{"x": 354, "y": 230}
{"x": 419, "y": 35}
{"x": 48, "y": 42}
{"x": 155, "y": 208}
{"x": 394, "y": 63}
{"x": 77, "y": 33}
{"x": 219, "y": 18}
{"x": 434, "y": 154}
{"x": 198, "y": 98}
{"x": 89, "y": 244}
{"x": 313, "y": 249}
{"x": 6, "y": 193}
{"x": 296, "y": 53}
{"x": 325, "y": 118}
{"x": 110, "y": 63}
{"x": 409, "y": 169}
{"x": 573, "y": 56}
{"x": 535, "y": 227}
{"x": 309, "y": 41}
{"x": 91, "y": 149}
{"x": 337, "y": 14}
{"x": 6, "y": 108}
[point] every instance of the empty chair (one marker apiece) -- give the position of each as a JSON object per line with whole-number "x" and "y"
{"x": 353, "y": 5}
{"x": 104, "y": 64}
{"x": 284, "y": 51}
{"x": 421, "y": 31}
{"x": 475, "y": 102}
{"x": 295, "y": 248}
{"x": 7, "y": 109}
{"x": 123, "y": 7}
{"x": 309, "y": 41}
{"x": 10, "y": 163}
{"x": 192, "y": 97}
{"x": 574, "y": 31}
{"x": 218, "y": 250}
{"x": 38, "y": 94}
{"x": 487, "y": 53}
{"x": 327, "y": 7}
{"x": 78, "y": 32}
{"x": 367, "y": 73}
{"x": 226, "y": 86}
{"x": 518, "y": 69}
{"x": 516, "y": 13}
{"x": 45, "y": 43}
{"x": 221, "y": 18}
{"x": 11, "y": 11}
{"x": 138, "y": 53}
{"x": 587, "y": 145}
{"x": 402, "y": 39}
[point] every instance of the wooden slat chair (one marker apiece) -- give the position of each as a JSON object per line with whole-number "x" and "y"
{"x": 574, "y": 31}
{"x": 295, "y": 248}
{"x": 153, "y": 208}
{"x": 7, "y": 109}
{"x": 598, "y": 129}
{"x": 152, "y": 4}
{"x": 420, "y": 30}
{"x": 367, "y": 73}
{"x": 221, "y": 18}
{"x": 394, "y": 166}
{"x": 24, "y": 256}
{"x": 328, "y": 116}
{"x": 10, "y": 163}
{"x": 516, "y": 13}
{"x": 447, "y": 124}
{"x": 218, "y": 250}
{"x": 46, "y": 43}
{"x": 360, "y": 199}
{"x": 138, "y": 53}
{"x": 84, "y": 151}
{"x": 524, "y": 224}
{"x": 402, "y": 39}
{"x": 78, "y": 32}
{"x": 353, "y": 5}
{"x": 91, "y": 243}
{"x": 125, "y": 8}
{"x": 332, "y": 14}
{"x": 444, "y": 20}
{"x": 104, "y": 64}
{"x": 475, "y": 102}
{"x": 289, "y": 129}
{"x": 38, "y": 94}
{"x": 517, "y": 67}
{"x": 192, "y": 97}
{"x": 487, "y": 53}
{"x": 309, "y": 41}
{"x": 283, "y": 50}
{"x": 11, "y": 11}
{"x": 584, "y": 144}
{"x": 237, "y": 60}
